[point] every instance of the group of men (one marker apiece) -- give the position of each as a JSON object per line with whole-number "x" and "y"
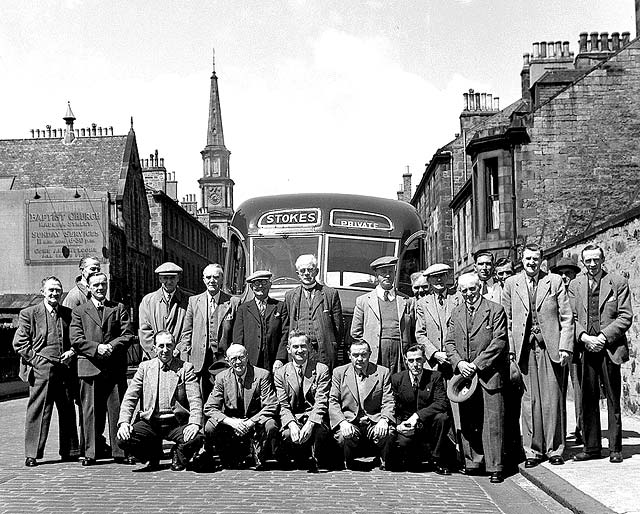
{"x": 248, "y": 380}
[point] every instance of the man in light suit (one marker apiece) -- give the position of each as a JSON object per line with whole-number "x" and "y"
{"x": 262, "y": 325}
{"x": 382, "y": 317}
{"x": 432, "y": 317}
{"x": 171, "y": 408}
{"x": 302, "y": 386}
{"x": 477, "y": 345}
{"x": 101, "y": 334}
{"x": 241, "y": 411}
{"x": 208, "y": 326}
{"x": 361, "y": 406}
{"x": 541, "y": 332}
{"x": 601, "y": 304}
{"x": 164, "y": 309}
{"x": 315, "y": 309}
{"x": 42, "y": 341}
{"x": 484, "y": 266}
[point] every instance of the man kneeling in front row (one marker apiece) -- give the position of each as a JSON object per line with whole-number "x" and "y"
{"x": 171, "y": 408}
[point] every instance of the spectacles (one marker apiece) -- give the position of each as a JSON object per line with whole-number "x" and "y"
{"x": 302, "y": 271}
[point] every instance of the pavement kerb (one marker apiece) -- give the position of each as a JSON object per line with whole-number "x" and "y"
{"x": 563, "y": 492}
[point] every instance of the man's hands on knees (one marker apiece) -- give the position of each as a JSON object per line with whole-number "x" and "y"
{"x": 124, "y": 431}
{"x": 348, "y": 430}
{"x": 190, "y": 431}
{"x": 381, "y": 429}
{"x": 240, "y": 426}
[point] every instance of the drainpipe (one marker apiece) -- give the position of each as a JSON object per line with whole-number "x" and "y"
{"x": 512, "y": 149}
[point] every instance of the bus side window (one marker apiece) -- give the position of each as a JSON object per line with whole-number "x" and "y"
{"x": 409, "y": 263}
{"x": 237, "y": 265}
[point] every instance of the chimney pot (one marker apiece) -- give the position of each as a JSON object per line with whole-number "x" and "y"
{"x": 32, "y": 133}
{"x": 496, "y": 103}
{"x": 162, "y": 162}
{"x": 615, "y": 41}
{"x": 489, "y": 102}
{"x": 536, "y": 50}
{"x": 594, "y": 41}
{"x": 525, "y": 60}
{"x": 582, "y": 42}
{"x": 558, "y": 49}
{"x": 465, "y": 101}
{"x": 604, "y": 41}
{"x": 551, "y": 49}
{"x": 565, "y": 48}
{"x": 477, "y": 102}
{"x": 543, "y": 49}
{"x": 625, "y": 38}
{"x": 483, "y": 101}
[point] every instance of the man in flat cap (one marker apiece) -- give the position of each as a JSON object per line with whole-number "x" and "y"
{"x": 432, "y": 317}
{"x": 382, "y": 317}
{"x": 262, "y": 325}
{"x": 164, "y": 309}
{"x": 315, "y": 309}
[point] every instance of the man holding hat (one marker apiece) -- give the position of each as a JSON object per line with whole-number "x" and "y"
{"x": 432, "y": 316}
{"x": 382, "y": 317}
{"x": 164, "y": 309}
{"x": 477, "y": 346}
{"x": 262, "y": 325}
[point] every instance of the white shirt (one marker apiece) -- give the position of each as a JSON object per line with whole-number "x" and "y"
{"x": 391, "y": 293}
{"x": 97, "y": 303}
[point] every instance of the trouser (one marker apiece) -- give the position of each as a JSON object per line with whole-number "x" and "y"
{"x": 597, "y": 368}
{"x": 320, "y": 446}
{"x": 433, "y": 432}
{"x": 389, "y": 355}
{"x": 145, "y": 443}
{"x": 233, "y": 449}
{"x": 364, "y": 442}
{"x": 514, "y": 453}
{"x": 50, "y": 384}
{"x": 101, "y": 396}
{"x": 575, "y": 369}
{"x": 544, "y": 411}
{"x": 481, "y": 429}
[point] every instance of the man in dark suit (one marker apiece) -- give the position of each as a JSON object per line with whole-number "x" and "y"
{"x": 477, "y": 345}
{"x": 171, "y": 408}
{"x": 422, "y": 413}
{"x": 241, "y": 411}
{"x": 302, "y": 386}
{"x": 601, "y": 305}
{"x": 42, "y": 341}
{"x": 361, "y": 406}
{"x": 315, "y": 309}
{"x": 100, "y": 334}
{"x": 208, "y": 326}
{"x": 262, "y": 325}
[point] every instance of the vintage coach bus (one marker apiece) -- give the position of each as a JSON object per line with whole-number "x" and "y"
{"x": 345, "y": 232}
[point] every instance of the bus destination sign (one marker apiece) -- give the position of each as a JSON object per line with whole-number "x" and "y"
{"x": 290, "y": 218}
{"x": 360, "y": 220}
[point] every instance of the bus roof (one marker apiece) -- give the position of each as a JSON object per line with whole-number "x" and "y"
{"x": 338, "y": 213}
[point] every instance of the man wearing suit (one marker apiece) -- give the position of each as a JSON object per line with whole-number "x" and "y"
{"x": 484, "y": 266}
{"x": 262, "y": 325}
{"x": 171, "y": 408}
{"x": 164, "y": 309}
{"x": 422, "y": 413}
{"x": 601, "y": 305}
{"x": 477, "y": 345}
{"x": 361, "y": 406}
{"x": 101, "y": 334}
{"x": 541, "y": 332}
{"x": 432, "y": 317}
{"x": 42, "y": 341}
{"x": 208, "y": 325}
{"x": 80, "y": 294}
{"x": 302, "y": 386}
{"x": 241, "y": 411}
{"x": 382, "y": 317}
{"x": 315, "y": 309}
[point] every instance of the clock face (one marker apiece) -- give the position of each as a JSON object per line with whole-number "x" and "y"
{"x": 215, "y": 195}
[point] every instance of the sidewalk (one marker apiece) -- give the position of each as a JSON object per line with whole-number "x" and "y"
{"x": 595, "y": 486}
{"x": 13, "y": 389}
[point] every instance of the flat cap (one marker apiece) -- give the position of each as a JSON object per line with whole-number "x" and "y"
{"x": 564, "y": 263}
{"x": 259, "y": 275}
{"x": 381, "y": 262}
{"x": 437, "y": 268}
{"x": 168, "y": 268}
{"x": 460, "y": 389}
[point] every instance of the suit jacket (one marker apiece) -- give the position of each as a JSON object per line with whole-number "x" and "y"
{"x": 77, "y": 295}
{"x": 431, "y": 331}
{"x": 87, "y": 331}
{"x": 315, "y": 387}
{"x": 326, "y": 315}
{"x": 246, "y": 330}
{"x": 151, "y": 317}
{"x": 615, "y": 312}
{"x": 554, "y": 313}
{"x": 431, "y": 395}
{"x": 185, "y": 392}
{"x": 31, "y": 336}
{"x": 343, "y": 398}
{"x": 195, "y": 332}
{"x": 260, "y": 402}
{"x": 366, "y": 321}
{"x": 484, "y": 345}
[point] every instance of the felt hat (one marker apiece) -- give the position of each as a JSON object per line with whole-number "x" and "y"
{"x": 564, "y": 263}
{"x": 460, "y": 388}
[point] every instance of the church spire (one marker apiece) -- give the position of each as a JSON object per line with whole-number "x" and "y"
{"x": 215, "y": 134}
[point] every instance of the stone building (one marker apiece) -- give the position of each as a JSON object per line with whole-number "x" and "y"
{"x": 176, "y": 233}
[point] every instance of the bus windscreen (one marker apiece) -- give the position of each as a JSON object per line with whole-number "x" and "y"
{"x": 348, "y": 260}
{"x": 279, "y": 255}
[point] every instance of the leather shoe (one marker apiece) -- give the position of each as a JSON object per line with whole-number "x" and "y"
{"x": 124, "y": 460}
{"x": 531, "y": 463}
{"x": 442, "y": 470}
{"x": 88, "y": 461}
{"x": 496, "y": 477}
{"x": 615, "y": 457}
{"x": 176, "y": 463}
{"x": 152, "y": 465}
{"x": 30, "y": 462}
{"x": 556, "y": 460}
{"x": 582, "y": 456}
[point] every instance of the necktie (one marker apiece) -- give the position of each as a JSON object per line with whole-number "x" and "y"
{"x": 100, "y": 309}
{"x": 441, "y": 300}
{"x": 240, "y": 384}
{"x": 261, "y": 307}
{"x": 54, "y": 313}
{"x": 485, "y": 288}
{"x": 300, "y": 388}
{"x": 386, "y": 296}
{"x": 165, "y": 367}
{"x": 471, "y": 311}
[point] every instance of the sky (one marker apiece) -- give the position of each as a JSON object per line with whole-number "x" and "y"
{"x": 316, "y": 96}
